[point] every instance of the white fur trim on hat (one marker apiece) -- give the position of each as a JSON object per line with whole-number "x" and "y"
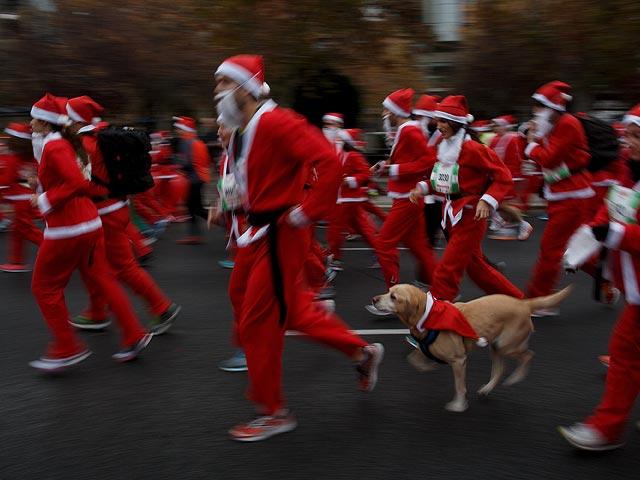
{"x": 242, "y": 76}
{"x": 47, "y": 116}
{"x": 332, "y": 118}
{"x": 548, "y": 103}
{"x": 394, "y": 108}
{"x": 454, "y": 118}
{"x": 424, "y": 113}
{"x": 15, "y": 133}
{"x": 185, "y": 128}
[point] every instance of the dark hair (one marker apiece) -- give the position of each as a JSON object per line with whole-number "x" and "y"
{"x": 456, "y": 126}
{"x": 76, "y": 142}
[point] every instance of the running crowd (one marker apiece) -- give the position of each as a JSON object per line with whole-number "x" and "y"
{"x": 450, "y": 179}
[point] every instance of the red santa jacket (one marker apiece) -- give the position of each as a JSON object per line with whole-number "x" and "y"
{"x": 622, "y": 264}
{"x": 65, "y": 203}
{"x": 14, "y": 172}
{"x": 409, "y": 160}
{"x": 507, "y": 147}
{"x": 278, "y": 149}
{"x": 355, "y": 175}
{"x": 566, "y": 145}
{"x": 481, "y": 176}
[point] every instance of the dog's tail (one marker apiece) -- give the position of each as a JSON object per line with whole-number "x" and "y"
{"x": 549, "y": 300}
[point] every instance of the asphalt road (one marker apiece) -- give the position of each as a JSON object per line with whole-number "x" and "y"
{"x": 165, "y": 416}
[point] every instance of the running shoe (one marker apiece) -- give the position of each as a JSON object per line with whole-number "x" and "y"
{"x": 368, "y": 368}
{"x": 235, "y": 363}
{"x": 264, "y": 427}
{"x": 50, "y": 365}
{"x": 161, "y": 323}
{"x": 586, "y": 437}
{"x": 129, "y": 353}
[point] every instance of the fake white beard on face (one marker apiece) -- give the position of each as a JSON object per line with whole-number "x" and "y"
{"x": 449, "y": 148}
{"x": 37, "y": 142}
{"x": 543, "y": 122}
{"x": 330, "y": 133}
{"x": 424, "y": 123}
{"x": 228, "y": 109}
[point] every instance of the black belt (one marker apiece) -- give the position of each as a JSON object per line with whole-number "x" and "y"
{"x": 260, "y": 219}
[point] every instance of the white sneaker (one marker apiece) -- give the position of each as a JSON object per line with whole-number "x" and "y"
{"x": 379, "y": 313}
{"x": 586, "y": 437}
{"x": 328, "y": 305}
{"x": 524, "y": 230}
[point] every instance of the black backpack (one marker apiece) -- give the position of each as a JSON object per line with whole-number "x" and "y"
{"x": 126, "y": 156}
{"x": 603, "y": 142}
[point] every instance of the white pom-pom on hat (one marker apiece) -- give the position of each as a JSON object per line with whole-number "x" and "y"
{"x": 265, "y": 89}
{"x": 470, "y": 118}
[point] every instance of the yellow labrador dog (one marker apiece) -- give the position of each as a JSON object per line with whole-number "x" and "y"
{"x": 501, "y": 321}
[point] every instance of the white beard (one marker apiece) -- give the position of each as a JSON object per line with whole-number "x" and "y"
{"x": 37, "y": 142}
{"x": 543, "y": 125}
{"x": 424, "y": 123}
{"x": 449, "y": 148}
{"x": 228, "y": 110}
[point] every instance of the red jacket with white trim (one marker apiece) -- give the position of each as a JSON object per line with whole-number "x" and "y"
{"x": 65, "y": 204}
{"x": 279, "y": 149}
{"x": 410, "y": 159}
{"x": 355, "y": 175}
{"x": 566, "y": 143}
{"x": 507, "y": 147}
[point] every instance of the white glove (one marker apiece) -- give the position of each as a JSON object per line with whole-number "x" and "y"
{"x": 581, "y": 247}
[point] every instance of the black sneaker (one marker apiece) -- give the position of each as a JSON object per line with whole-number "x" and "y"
{"x": 163, "y": 322}
{"x": 130, "y": 353}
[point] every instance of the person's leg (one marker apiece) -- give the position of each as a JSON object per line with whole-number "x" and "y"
{"x": 393, "y": 230}
{"x": 23, "y": 230}
{"x": 564, "y": 218}
{"x": 417, "y": 242}
{"x": 623, "y": 377}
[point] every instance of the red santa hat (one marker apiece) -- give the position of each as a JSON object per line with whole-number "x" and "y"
{"x": 507, "y": 121}
{"x": 84, "y": 109}
{"x": 248, "y": 71}
{"x": 19, "y": 130}
{"x": 333, "y": 117}
{"x": 352, "y": 136}
{"x": 554, "y": 95}
{"x": 481, "y": 126}
{"x": 51, "y": 109}
{"x": 454, "y": 108}
{"x": 186, "y": 124}
{"x": 426, "y": 106}
{"x": 399, "y": 102}
{"x": 632, "y": 116}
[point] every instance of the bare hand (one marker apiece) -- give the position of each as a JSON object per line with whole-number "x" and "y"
{"x": 482, "y": 210}
{"x": 415, "y": 195}
{"x": 34, "y": 200}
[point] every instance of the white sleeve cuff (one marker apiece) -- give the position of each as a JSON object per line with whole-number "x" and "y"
{"x": 530, "y": 147}
{"x": 43, "y": 204}
{"x": 394, "y": 170}
{"x": 424, "y": 187}
{"x": 298, "y": 218}
{"x": 614, "y": 237}
{"x": 353, "y": 183}
{"x": 490, "y": 200}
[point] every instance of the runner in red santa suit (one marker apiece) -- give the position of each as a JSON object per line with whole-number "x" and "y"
{"x": 17, "y": 167}
{"x": 616, "y": 228}
{"x": 424, "y": 112}
{"x": 557, "y": 142}
{"x": 507, "y": 145}
{"x": 269, "y": 156}
{"x": 72, "y": 240}
{"x": 352, "y": 194}
{"x": 473, "y": 182}
{"x": 408, "y": 162}
{"x": 114, "y": 213}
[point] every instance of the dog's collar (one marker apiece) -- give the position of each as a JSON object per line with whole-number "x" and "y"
{"x": 427, "y": 310}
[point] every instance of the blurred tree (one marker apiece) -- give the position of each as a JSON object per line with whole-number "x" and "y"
{"x": 513, "y": 46}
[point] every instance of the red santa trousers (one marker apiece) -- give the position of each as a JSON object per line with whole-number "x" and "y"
{"x": 623, "y": 376}
{"x": 374, "y": 210}
{"x": 404, "y": 223}
{"x": 172, "y": 192}
{"x": 124, "y": 267}
{"x": 314, "y": 266}
{"x": 565, "y": 217}
{"x": 140, "y": 247}
{"x": 148, "y": 207}
{"x": 257, "y": 312}
{"x": 23, "y": 230}
{"x": 464, "y": 253}
{"x": 349, "y": 215}
{"x": 56, "y": 261}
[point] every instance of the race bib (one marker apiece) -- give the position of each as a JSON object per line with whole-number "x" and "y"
{"x": 230, "y": 193}
{"x": 553, "y": 175}
{"x": 623, "y": 204}
{"x": 444, "y": 178}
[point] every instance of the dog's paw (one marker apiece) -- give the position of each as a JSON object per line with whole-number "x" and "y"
{"x": 485, "y": 390}
{"x": 514, "y": 378}
{"x": 457, "y": 406}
